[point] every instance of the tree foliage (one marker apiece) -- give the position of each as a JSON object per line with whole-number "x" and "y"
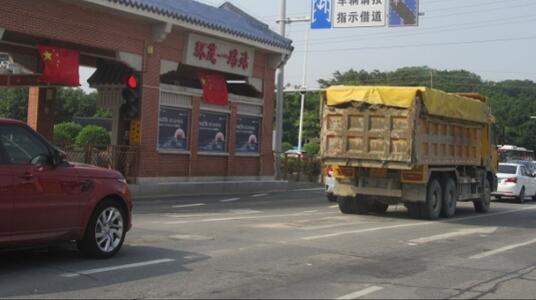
{"x": 93, "y": 135}
{"x": 66, "y": 133}
{"x": 14, "y": 103}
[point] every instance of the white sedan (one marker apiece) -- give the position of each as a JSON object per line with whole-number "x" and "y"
{"x": 515, "y": 181}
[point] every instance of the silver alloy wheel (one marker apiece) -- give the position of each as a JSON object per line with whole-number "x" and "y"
{"x": 109, "y": 229}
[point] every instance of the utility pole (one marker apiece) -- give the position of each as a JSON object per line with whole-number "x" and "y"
{"x": 283, "y": 21}
{"x": 280, "y": 97}
{"x": 304, "y": 90}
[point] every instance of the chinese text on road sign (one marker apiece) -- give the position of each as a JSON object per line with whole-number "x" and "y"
{"x": 358, "y": 13}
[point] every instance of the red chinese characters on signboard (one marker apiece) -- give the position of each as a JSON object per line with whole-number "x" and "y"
{"x": 209, "y": 52}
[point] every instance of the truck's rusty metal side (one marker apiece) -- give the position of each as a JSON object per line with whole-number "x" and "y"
{"x": 363, "y": 135}
{"x": 376, "y": 136}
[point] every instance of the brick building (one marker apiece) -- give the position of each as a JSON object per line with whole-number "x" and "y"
{"x": 167, "y": 42}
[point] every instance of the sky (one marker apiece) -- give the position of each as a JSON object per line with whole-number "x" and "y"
{"x": 495, "y": 39}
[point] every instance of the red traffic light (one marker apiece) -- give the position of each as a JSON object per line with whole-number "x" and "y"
{"x": 132, "y": 82}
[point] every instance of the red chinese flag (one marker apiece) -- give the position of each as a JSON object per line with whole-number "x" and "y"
{"x": 214, "y": 88}
{"x": 60, "y": 66}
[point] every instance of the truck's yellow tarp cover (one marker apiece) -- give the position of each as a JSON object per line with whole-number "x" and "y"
{"x": 437, "y": 103}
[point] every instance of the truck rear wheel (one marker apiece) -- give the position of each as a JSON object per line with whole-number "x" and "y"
{"x": 482, "y": 205}
{"x": 450, "y": 197}
{"x": 431, "y": 209}
{"x": 379, "y": 207}
{"x": 347, "y": 205}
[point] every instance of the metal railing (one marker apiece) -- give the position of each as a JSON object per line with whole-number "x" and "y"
{"x": 301, "y": 167}
{"x": 124, "y": 159}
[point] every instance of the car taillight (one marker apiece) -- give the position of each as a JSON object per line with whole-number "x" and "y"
{"x": 511, "y": 179}
{"x": 330, "y": 172}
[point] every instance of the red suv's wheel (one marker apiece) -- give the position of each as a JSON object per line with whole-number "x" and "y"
{"x": 105, "y": 232}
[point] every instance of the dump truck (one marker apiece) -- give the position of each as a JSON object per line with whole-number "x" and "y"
{"x": 416, "y": 146}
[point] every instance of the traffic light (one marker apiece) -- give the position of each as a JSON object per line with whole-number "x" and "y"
{"x": 132, "y": 95}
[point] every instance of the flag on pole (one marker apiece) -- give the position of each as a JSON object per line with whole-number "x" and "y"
{"x": 214, "y": 88}
{"x": 60, "y": 66}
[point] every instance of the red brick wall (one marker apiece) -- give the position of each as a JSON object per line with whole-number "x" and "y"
{"x": 68, "y": 22}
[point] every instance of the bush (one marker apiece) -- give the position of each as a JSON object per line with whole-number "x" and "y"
{"x": 286, "y": 146}
{"x": 312, "y": 148}
{"x": 312, "y": 168}
{"x": 66, "y": 133}
{"x": 93, "y": 135}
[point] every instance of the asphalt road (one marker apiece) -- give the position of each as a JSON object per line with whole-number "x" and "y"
{"x": 291, "y": 245}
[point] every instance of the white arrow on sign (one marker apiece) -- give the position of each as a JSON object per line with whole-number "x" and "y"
{"x": 463, "y": 232}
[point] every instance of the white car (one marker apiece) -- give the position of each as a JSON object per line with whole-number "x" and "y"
{"x": 515, "y": 181}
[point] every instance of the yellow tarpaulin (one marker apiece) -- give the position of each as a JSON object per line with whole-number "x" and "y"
{"x": 437, "y": 103}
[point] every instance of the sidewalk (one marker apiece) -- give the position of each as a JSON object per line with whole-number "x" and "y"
{"x": 150, "y": 191}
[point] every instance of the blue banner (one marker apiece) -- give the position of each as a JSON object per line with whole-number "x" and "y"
{"x": 212, "y": 132}
{"x": 247, "y": 134}
{"x": 173, "y": 128}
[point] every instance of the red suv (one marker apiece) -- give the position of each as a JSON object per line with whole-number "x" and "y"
{"x": 44, "y": 198}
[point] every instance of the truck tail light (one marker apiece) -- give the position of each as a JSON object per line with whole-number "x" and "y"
{"x": 329, "y": 171}
{"x": 343, "y": 172}
{"x": 511, "y": 180}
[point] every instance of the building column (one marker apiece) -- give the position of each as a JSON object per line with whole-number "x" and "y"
{"x": 41, "y": 108}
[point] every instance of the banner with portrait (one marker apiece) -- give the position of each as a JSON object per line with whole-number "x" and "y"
{"x": 247, "y": 134}
{"x": 173, "y": 128}
{"x": 212, "y": 132}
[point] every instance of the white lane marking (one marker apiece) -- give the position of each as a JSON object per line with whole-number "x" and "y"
{"x": 230, "y": 200}
{"x": 189, "y": 205}
{"x": 462, "y": 232}
{"x": 503, "y": 249}
{"x": 237, "y": 218}
{"x": 121, "y": 267}
{"x": 308, "y": 190}
{"x": 334, "y": 206}
{"x": 316, "y": 227}
{"x": 414, "y": 224}
{"x": 362, "y": 293}
{"x": 231, "y": 211}
{"x": 323, "y": 236}
{"x": 259, "y": 195}
{"x": 310, "y": 211}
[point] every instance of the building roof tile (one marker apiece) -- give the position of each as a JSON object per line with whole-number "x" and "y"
{"x": 226, "y": 18}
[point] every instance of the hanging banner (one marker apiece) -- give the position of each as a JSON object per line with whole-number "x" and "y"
{"x": 173, "y": 128}
{"x": 215, "y": 54}
{"x": 247, "y": 134}
{"x": 214, "y": 88}
{"x": 212, "y": 132}
{"x": 359, "y": 13}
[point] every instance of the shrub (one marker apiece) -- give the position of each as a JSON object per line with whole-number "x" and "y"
{"x": 312, "y": 148}
{"x": 286, "y": 146}
{"x": 93, "y": 135}
{"x": 312, "y": 168}
{"x": 66, "y": 133}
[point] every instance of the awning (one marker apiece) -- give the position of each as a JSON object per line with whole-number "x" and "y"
{"x": 437, "y": 103}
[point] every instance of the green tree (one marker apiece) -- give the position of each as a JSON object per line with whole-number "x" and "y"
{"x": 74, "y": 102}
{"x": 93, "y": 135}
{"x": 66, "y": 133}
{"x": 14, "y": 103}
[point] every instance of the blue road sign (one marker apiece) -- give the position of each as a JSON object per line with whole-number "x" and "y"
{"x": 321, "y": 14}
{"x": 403, "y": 13}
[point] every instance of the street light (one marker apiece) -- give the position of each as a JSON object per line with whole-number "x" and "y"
{"x": 283, "y": 20}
